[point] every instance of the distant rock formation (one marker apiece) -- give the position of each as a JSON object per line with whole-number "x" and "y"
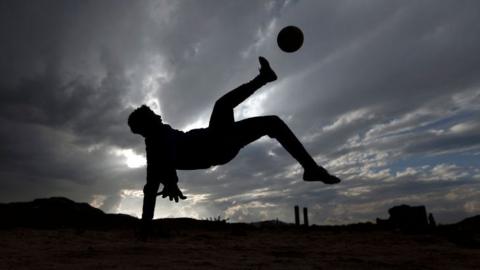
{"x": 58, "y": 212}
{"x": 410, "y": 218}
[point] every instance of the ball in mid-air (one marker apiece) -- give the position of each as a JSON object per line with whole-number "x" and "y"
{"x": 290, "y": 39}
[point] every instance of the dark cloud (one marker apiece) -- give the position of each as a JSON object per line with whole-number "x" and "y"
{"x": 376, "y": 82}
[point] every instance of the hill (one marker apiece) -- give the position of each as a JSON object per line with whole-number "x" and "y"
{"x": 59, "y": 212}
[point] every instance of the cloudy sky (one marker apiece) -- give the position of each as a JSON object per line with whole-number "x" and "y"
{"x": 384, "y": 94}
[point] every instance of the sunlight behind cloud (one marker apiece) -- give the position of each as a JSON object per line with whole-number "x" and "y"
{"x": 132, "y": 159}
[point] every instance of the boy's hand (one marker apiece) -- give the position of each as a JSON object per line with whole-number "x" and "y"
{"x": 172, "y": 191}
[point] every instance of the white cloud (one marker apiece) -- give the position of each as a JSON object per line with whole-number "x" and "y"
{"x": 447, "y": 172}
{"x": 348, "y": 118}
{"x": 356, "y": 191}
{"x": 408, "y": 172}
{"x": 242, "y": 212}
{"x": 472, "y": 207}
{"x": 464, "y": 127}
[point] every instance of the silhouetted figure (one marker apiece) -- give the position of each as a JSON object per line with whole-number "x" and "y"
{"x": 169, "y": 150}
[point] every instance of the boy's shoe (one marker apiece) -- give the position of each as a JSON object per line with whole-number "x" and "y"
{"x": 266, "y": 72}
{"x": 320, "y": 174}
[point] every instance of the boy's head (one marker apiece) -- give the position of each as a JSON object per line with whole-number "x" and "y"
{"x": 142, "y": 119}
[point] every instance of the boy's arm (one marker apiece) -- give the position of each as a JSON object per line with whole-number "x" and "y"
{"x": 161, "y": 167}
{"x": 169, "y": 179}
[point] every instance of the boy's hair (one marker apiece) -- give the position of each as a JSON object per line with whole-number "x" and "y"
{"x": 140, "y": 119}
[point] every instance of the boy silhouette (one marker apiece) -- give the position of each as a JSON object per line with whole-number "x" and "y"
{"x": 169, "y": 149}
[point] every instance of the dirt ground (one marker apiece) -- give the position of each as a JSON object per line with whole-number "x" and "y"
{"x": 227, "y": 249}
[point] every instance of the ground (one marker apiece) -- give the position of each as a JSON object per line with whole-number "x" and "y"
{"x": 227, "y": 248}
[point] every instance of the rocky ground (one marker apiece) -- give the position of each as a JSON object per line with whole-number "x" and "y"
{"x": 231, "y": 247}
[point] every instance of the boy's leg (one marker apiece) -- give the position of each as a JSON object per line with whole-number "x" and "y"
{"x": 222, "y": 114}
{"x": 249, "y": 130}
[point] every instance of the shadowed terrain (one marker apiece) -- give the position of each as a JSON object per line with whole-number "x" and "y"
{"x": 42, "y": 235}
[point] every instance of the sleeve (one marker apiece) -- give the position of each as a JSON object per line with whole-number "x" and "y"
{"x": 168, "y": 175}
{"x": 160, "y": 165}
{"x": 162, "y": 172}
